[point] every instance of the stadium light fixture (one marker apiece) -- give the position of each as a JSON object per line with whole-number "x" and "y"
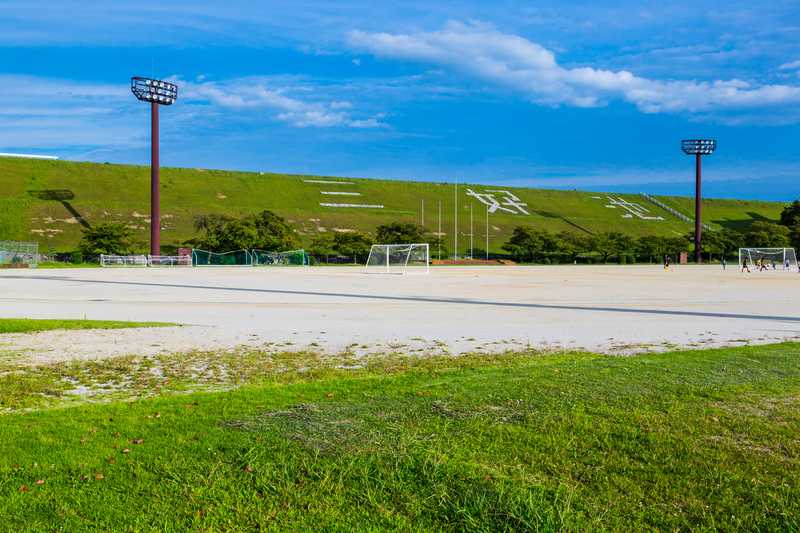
{"x": 157, "y": 92}
{"x": 698, "y": 148}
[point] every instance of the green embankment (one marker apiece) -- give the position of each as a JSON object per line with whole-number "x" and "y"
{"x": 48, "y": 201}
{"x": 702, "y": 440}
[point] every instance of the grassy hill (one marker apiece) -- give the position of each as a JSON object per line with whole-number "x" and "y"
{"x": 49, "y": 201}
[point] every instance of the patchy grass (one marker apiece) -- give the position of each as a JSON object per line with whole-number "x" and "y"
{"x": 56, "y": 266}
{"x": 686, "y": 440}
{"x": 31, "y": 325}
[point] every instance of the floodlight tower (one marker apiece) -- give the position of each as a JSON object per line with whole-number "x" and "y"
{"x": 698, "y": 148}
{"x": 157, "y": 92}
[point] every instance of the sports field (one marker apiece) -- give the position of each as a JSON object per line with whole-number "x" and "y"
{"x": 616, "y": 309}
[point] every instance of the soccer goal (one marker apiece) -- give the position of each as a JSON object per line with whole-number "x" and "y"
{"x": 234, "y": 258}
{"x": 783, "y": 259}
{"x": 169, "y": 260}
{"x": 14, "y": 254}
{"x": 123, "y": 260}
{"x": 399, "y": 259}
{"x": 288, "y": 258}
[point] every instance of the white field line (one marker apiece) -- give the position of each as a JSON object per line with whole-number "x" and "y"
{"x": 369, "y": 206}
{"x": 325, "y": 182}
{"x": 337, "y": 193}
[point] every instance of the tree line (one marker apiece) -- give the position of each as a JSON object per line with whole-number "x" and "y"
{"x": 528, "y": 244}
{"x": 269, "y": 231}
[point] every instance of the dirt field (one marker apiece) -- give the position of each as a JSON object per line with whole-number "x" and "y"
{"x": 619, "y": 309}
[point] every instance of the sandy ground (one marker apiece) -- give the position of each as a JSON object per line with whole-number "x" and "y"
{"x": 618, "y": 309}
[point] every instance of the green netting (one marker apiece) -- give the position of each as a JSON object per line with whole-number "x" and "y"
{"x": 288, "y": 258}
{"x": 234, "y": 258}
{"x": 19, "y": 254}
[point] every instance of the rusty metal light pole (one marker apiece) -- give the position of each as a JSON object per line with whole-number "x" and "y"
{"x": 157, "y": 92}
{"x": 698, "y": 148}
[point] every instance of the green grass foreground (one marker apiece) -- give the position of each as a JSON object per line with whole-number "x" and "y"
{"x": 59, "y": 266}
{"x": 31, "y": 325}
{"x": 704, "y": 440}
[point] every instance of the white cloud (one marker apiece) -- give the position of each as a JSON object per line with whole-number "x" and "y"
{"x": 792, "y": 65}
{"x": 511, "y": 61}
{"x": 254, "y": 93}
{"x": 51, "y": 114}
{"x": 367, "y": 123}
{"x": 73, "y": 118}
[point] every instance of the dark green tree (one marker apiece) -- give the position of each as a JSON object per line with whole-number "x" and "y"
{"x": 274, "y": 233}
{"x": 323, "y": 246}
{"x": 438, "y": 247}
{"x": 794, "y": 236}
{"x": 790, "y": 216}
{"x": 570, "y": 245}
{"x": 264, "y": 231}
{"x": 352, "y": 244}
{"x": 106, "y": 238}
{"x": 525, "y": 242}
{"x": 529, "y": 244}
{"x": 222, "y": 233}
{"x": 768, "y": 235}
{"x": 399, "y": 233}
{"x": 213, "y": 228}
{"x": 613, "y": 243}
{"x": 238, "y": 234}
{"x": 721, "y": 243}
{"x": 651, "y": 247}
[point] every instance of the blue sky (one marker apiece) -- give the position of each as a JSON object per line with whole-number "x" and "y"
{"x": 590, "y": 95}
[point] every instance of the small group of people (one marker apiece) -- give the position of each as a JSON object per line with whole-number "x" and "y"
{"x": 761, "y": 264}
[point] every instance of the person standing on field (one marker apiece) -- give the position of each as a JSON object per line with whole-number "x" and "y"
{"x": 666, "y": 262}
{"x": 724, "y": 263}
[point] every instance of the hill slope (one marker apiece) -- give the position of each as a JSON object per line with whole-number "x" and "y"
{"x": 49, "y": 201}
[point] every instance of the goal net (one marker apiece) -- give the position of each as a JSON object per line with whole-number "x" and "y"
{"x": 761, "y": 259}
{"x": 169, "y": 260}
{"x": 235, "y": 258}
{"x": 399, "y": 259}
{"x": 288, "y": 258}
{"x": 123, "y": 260}
{"x": 14, "y": 254}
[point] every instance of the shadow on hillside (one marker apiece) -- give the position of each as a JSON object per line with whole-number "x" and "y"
{"x": 63, "y": 196}
{"x": 758, "y": 217}
{"x": 548, "y": 214}
{"x": 743, "y": 225}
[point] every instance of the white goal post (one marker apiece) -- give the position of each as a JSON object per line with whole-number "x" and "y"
{"x": 399, "y": 259}
{"x": 169, "y": 260}
{"x": 783, "y": 259}
{"x": 123, "y": 260}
